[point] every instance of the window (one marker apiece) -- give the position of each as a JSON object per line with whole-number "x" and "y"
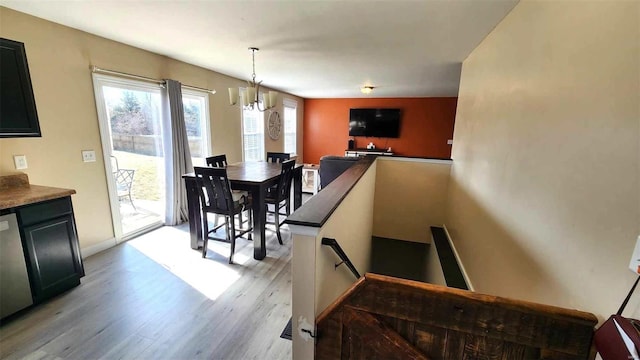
{"x": 290, "y": 124}
{"x": 253, "y": 135}
{"x": 196, "y": 119}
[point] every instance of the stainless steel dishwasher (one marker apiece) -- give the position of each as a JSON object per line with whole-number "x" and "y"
{"x": 15, "y": 292}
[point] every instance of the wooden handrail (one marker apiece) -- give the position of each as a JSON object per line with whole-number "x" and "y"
{"x": 451, "y": 270}
{"x": 333, "y": 244}
{"x": 320, "y": 207}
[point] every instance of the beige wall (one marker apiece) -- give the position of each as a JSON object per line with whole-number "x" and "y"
{"x": 351, "y": 225}
{"x": 544, "y": 200}
{"x": 59, "y": 59}
{"x": 316, "y": 282}
{"x": 410, "y": 196}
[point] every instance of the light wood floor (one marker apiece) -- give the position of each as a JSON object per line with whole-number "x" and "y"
{"x": 155, "y": 298}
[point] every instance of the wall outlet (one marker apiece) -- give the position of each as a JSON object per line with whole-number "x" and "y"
{"x": 88, "y": 156}
{"x": 20, "y": 161}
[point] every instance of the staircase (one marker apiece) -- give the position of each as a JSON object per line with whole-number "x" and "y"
{"x": 339, "y": 315}
{"x": 389, "y": 318}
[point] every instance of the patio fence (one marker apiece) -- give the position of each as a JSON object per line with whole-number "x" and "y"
{"x": 150, "y": 144}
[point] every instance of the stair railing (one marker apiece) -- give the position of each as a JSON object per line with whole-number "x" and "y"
{"x": 333, "y": 244}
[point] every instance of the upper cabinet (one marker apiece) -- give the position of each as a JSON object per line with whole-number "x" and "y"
{"x": 18, "y": 116}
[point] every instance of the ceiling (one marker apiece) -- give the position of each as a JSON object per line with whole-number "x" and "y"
{"x": 313, "y": 49}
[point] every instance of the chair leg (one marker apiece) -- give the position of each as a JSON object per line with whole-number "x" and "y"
{"x": 250, "y": 224}
{"x": 288, "y": 203}
{"x": 132, "y": 204}
{"x": 205, "y": 234}
{"x": 277, "y": 214}
{"x": 226, "y": 227}
{"x": 233, "y": 238}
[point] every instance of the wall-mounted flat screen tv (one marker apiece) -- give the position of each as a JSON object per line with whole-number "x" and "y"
{"x": 384, "y": 123}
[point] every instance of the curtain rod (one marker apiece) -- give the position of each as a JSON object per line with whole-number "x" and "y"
{"x": 144, "y": 78}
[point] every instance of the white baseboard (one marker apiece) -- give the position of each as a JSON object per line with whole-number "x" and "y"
{"x": 455, "y": 253}
{"x": 101, "y": 246}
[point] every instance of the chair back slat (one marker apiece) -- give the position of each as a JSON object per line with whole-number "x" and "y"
{"x": 124, "y": 179}
{"x": 284, "y": 185}
{"x": 217, "y": 160}
{"x": 215, "y": 189}
{"x": 276, "y": 157}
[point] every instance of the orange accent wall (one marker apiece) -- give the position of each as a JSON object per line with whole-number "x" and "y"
{"x": 425, "y": 126}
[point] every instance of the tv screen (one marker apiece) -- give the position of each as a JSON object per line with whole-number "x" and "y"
{"x": 383, "y": 123}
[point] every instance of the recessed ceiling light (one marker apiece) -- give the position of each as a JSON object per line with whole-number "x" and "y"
{"x": 367, "y": 89}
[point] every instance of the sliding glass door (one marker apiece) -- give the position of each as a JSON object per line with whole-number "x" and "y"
{"x": 132, "y": 140}
{"x": 133, "y": 137}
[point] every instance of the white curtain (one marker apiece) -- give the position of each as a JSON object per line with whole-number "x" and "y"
{"x": 176, "y": 152}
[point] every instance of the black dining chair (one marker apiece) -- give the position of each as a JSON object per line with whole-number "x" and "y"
{"x": 279, "y": 195}
{"x": 221, "y": 161}
{"x": 217, "y": 160}
{"x": 216, "y": 198}
{"x": 276, "y": 157}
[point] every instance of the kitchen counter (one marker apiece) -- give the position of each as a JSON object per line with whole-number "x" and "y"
{"x": 39, "y": 252}
{"x": 15, "y": 191}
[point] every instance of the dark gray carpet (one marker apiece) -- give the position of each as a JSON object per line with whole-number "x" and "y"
{"x": 386, "y": 252}
{"x": 286, "y": 333}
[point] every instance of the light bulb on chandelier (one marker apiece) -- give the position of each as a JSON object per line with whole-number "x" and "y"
{"x": 249, "y": 97}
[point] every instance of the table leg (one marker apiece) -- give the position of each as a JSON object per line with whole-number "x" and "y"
{"x": 259, "y": 221}
{"x": 195, "y": 215}
{"x": 297, "y": 188}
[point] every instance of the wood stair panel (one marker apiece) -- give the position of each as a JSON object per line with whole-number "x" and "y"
{"x": 445, "y": 323}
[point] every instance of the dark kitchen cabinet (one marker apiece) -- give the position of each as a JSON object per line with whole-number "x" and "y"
{"x": 51, "y": 245}
{"x": 18, "y": 115}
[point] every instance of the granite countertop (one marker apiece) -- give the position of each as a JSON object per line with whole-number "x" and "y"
{"x": 15, "y": 190}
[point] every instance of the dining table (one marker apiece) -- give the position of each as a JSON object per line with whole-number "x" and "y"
{"x": 253, "y": 177}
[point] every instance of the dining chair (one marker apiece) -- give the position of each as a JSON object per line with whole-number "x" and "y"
{"x": 216, "y": 198}
{"x": 217, "y": 160}
{"x": 221, "y": 161}
{"x": 279, "y": 195}
{"x": 276, "y": 157}
{"x": 124, "y": 181}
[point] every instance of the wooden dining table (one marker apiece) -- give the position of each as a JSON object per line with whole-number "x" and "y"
{"x": 254, "y": 177}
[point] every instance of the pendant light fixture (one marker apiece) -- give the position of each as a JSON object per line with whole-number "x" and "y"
{"x": 248, "y": 97}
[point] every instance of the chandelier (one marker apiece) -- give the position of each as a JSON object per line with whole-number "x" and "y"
{"x": 249, "y": 97}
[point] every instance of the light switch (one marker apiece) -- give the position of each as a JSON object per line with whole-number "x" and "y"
{"x": 88, "y": 156}
{"x": 20, "y": 162}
